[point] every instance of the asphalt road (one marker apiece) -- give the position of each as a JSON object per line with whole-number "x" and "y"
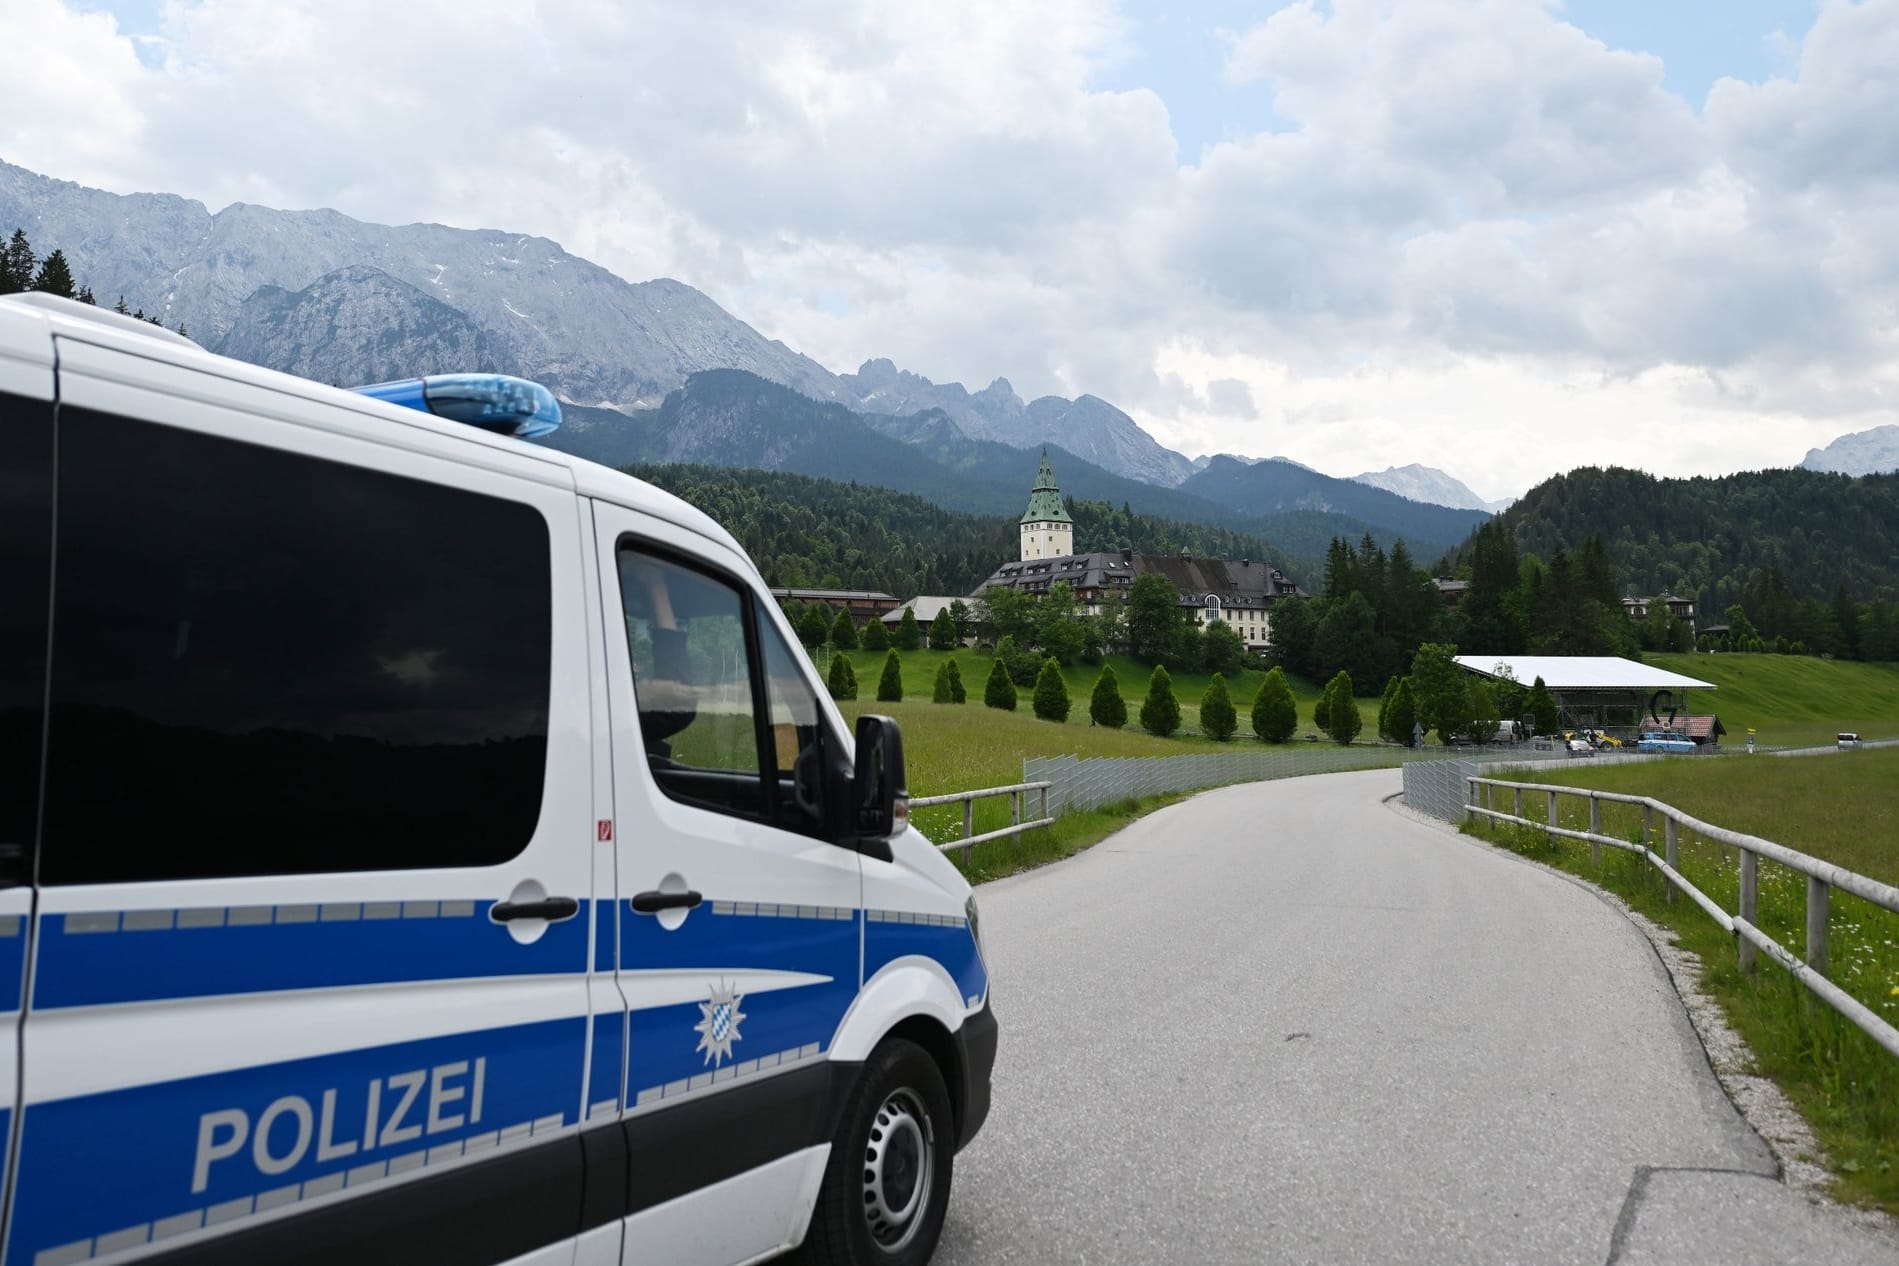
{"x": 1282, "y": 1023}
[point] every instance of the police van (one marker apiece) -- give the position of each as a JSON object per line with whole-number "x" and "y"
{"x": 418, "y": 846}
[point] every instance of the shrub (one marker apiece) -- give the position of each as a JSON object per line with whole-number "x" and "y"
{"x": 957, "y": 693}
{"x": 1275, "y": 716}
{"x": 1217, "y": 720}
{"x": 876, "y": 637}
{"x": 844, "y": 632}
{"x": 890, "y": 685}
{"x": 940, "y": 688}
{"x": 1106, "y": 707}
{"x": 843, "y": 679}
{"x": 1384, "y": 707}
{"x": 1341, "y": 712}
{"x": 1160, "y": 711}
{"x": 1321, "y": 711}
{"x": 999, "y": 691}
{"x": 908, "y": 636}
{"x": 1022, "y": 666}
{"x": 943, "y": 632}
{"x": 1404, "y": 713}
{"x": 1051, "y": 692}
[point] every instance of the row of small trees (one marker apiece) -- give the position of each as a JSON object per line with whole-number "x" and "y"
{"x": 817, "y": 628}
{"x": 22, "y": 270}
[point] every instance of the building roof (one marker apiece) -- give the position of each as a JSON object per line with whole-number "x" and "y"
{"x": 835, "y": 595}
{"x": 1045, "y": 502}
{"x": 1235, "y": 582}
{"x": 1581, "y": 672}
{"x": 1699, "y": 728}
{"x": 926, "y": 606}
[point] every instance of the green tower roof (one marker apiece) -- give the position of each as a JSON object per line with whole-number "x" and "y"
{"x": 1045, "y": 502}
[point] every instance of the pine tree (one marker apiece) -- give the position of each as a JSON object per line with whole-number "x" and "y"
{"x": 1543, "y": 709}
{"x": 943, "y": 632}
{"x": 121, "y": 307}
{"x": 940, "y": 689}
{"x": 1217, "y": 719}
{"x": 843, "y": 679}
{"x": 1105, "y": 706}
{"x": 999, "y": 692}
{"x": 1404, "y": 712}
{"x": 1051, "y": 692}
{"x": 1321, "y": 711}
{"x": 85, "y": 296}
{"x": 1275, "y": 715}
{"x": 876, "y": 637}
{"x": 813, "y": 629}
{"x": 17, "y": 264}
{"x": 844, "y": 632}
{"x": 957, "y": 693}
{"x": 1160, "y": 711}
{"x": 1384, "y": 705}
{"x": 908, "y": 636}
{"x": 890, "y": 685}
{"x": 55, "y": 277}
{"x": 1341, "y": 711}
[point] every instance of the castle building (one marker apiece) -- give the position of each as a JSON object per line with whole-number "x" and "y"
{"x": 1047, "y": 531}
{"x": 1234, "y": 592}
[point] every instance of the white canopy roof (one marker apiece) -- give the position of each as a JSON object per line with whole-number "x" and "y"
{"x": 1581, "y": 672}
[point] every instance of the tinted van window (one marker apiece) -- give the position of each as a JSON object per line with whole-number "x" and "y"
{"x": 26, "y": 543}
{"x": 265, "y": 663}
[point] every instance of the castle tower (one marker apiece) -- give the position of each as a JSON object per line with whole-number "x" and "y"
{"x": 1047, "y": 531}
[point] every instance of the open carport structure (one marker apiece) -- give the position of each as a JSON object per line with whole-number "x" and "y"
{"x": 1604, "y": 692}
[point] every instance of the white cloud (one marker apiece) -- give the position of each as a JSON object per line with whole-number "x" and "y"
{"x": 1475, "y": 237}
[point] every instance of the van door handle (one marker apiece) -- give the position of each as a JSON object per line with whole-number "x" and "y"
{"x": 653, "y": 901}
{"x": 553, "y": 909}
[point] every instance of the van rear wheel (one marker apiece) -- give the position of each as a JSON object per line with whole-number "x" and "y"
{"x": 886, "y": 1185}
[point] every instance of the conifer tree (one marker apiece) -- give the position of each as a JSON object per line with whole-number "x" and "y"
{"x": 1051, "y": 692}
{"x": 1217, "y": 719}
{"x": 1384, "y": 707}
{"x": 1160, "y": 711}
{"x": 1542, "y": 706}
{"x": 1404, "y": 712}
{"x": 943, "y": 632}
{"x": 843, "y": 679}
{"x": 844, "y": 632}
{"x": 1321, "y": 711}
{"x": 890, "y": 685}
{"x": 121, "y": 307}
{"x": 957, "y": 693}
{"x": 55, "y": 276}
{"x": 1341, "y": 709}
{"x": 1275, "y": 715}
{"x": 813, "y": 629}
{"x": 17, "y": 264}
{"x": 999, "y": 691}
{"x": 940, "y": 690}
{"x": 908, "y": 636}
{"x": 85, "y": 296}
{"x": 1105, "y": 706}
{"x": 876, "y": 637}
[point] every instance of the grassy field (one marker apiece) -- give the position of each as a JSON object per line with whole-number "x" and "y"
{"x": 1793, "y": 700}
{"x": 1843, "y": 808}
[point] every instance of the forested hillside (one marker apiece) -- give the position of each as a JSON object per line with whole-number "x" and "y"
{"x": 1707, "y": 539}
{"x": 819, "y": 532}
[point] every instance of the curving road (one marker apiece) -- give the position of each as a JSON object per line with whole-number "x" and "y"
{"x": 1280, "y": 1022}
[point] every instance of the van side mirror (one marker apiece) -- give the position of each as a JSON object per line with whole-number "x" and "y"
{"x": 880, "y": 799}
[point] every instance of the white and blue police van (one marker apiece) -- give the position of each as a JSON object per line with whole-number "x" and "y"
{"x": 419, "y": 846}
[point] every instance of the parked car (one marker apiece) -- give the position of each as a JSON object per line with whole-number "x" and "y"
{"x": 1664, "y": 741}
{"x": 1848, "y": 739}
{"x": 1581, "y": 747}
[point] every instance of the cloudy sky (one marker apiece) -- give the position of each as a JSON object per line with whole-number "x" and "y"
{"x": 1502, "y": 237}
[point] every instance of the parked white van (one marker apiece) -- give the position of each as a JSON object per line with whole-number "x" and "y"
{"x": 418, "y": 846}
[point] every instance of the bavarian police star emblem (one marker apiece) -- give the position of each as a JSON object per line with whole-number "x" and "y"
{"x": 719, "y": 1022}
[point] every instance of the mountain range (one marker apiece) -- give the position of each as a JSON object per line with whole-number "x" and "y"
{"x": 1874, "y": 452}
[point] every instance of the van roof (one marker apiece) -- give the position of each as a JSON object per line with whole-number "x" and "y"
{"x": 28, "y": 322}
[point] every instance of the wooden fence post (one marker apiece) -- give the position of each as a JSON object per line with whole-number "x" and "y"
{"x": 969, "y": 817}
{"x": 1750, "y": 896}
{"x": 1819, "y": 899}
{"x": 1595, "y": 828}
{"x": 1671, "y": 853}
{"x": 1552, "y": 796}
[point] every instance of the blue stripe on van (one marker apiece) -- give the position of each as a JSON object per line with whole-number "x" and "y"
{"x": 606, "y": 1078}
{"x": 952, "y": 945}
{"x": 129, "y": 1166}
{"x": 12, "y": 963}
{"x": 141, "y": 956}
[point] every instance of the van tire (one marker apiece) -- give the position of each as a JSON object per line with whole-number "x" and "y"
{"x": 886, "y": 1185}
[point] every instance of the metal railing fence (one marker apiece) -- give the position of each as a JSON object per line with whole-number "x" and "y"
{"x": 1822, "y": 877}
{"x": 1017, "y": 794}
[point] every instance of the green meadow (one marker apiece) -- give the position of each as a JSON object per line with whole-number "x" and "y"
{"x": 1792, "y": 700}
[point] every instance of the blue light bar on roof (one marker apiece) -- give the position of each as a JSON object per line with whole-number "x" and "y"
{"x": 494, "y": 402}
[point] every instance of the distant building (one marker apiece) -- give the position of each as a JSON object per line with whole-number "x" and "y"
{"x": 864, "y": 605}
{"x": 1682, "y": 609}
{"x": 1047, "y": 531}
{"x": 1612, "y": 695}
{"x": 1451, "y": 592}
{"x": 926, "y": 606}
{"x": 1234, "y": 592}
